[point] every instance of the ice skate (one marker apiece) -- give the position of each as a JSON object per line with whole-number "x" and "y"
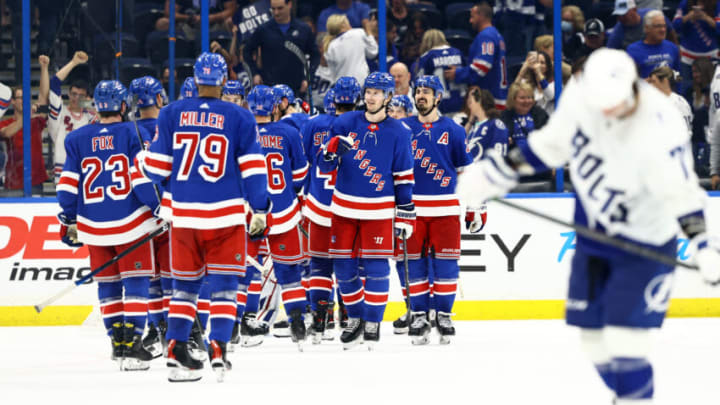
{"x": 329, "y": 333}
{"x": 352, "y": 335}
{"x": 297, "y": 328}
{"x": 234, "y": 338}
{"x": 319, "y": 321}
{"x": 401, "y": 325}
{"x": 197, "y": 344}
{"x": 445, "y": 327}
{"x": 343, "y": 315}
{"x": 252, "y": 333}
{"x": 162, "y": 330}
{"x": 136, "y": 357}
{"x": 183, "y": 367}
{"x": 281, "y": 329}
{"x": 218, "y": 359}
{"x": 117, "y": 340}
{"x": 371, "y": 335}
{"x": 152, "y": 342}
{"x": 419, "y": 330}
{"x": 432, "y": 317}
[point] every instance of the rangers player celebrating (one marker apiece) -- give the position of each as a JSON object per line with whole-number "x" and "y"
{"x": 208, "y": 149}
{"x": 371, "y": 152}
{"x": 631, "y": 165}
{"x": 438, "y": 145}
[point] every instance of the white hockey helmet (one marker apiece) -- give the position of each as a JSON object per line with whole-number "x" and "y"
{"x": 608, "y": 77}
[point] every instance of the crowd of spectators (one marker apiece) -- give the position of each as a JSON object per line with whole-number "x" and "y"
{"x": 503, "y": 49}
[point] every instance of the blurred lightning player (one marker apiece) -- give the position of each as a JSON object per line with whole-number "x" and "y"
{"x": 106, "y": 206}
{"x": 400, "y": 107}
{"x": 148, "y": 96}
{"x": 318, "y": 199}
{"x": 208, "y": 148}
{"x": 371, "y": 152}
{"x": 440, "y": 155}
{"x": 632, "y": 168}
{"x": 234, "y": 92}
{"x": 287, "y": 168}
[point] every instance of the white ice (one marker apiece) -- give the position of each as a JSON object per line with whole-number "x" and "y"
{"x": 489, "y": 362}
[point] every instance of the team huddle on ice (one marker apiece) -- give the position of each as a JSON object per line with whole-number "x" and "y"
{"x": 263, "y": 198}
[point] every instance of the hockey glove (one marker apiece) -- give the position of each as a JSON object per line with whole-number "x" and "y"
{"x": 707, "y": 257}
{"x": 259, "y": 226}
{"x": 68, "y": 231}
{"x": 337, "y": 146}
{"x": 475, "y": 219}
{"x": 489, "y": 178}
{"x": 404, "y": 220}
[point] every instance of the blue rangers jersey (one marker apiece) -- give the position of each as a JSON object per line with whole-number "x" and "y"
{"x": 208, "y": 148}
{"x": 440, "y": 154}
{"x": 434, "y": 62}
{"x": 377, "y": 173}
{"x": 295, "y": 120}
{"x": 319, "y": 186}
{"x": 112, "y": 203}
{"x": 286, "y": 168}
{"x": 698, "y": 38}
{"x": 150, "y": 127}
{"x": 486, "y": 135}
{"x": 488, "y": 67}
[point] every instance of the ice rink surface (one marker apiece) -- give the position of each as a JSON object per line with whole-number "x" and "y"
{"x": 489, "y": 362}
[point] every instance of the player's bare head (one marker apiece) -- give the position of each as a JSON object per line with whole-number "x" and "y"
{"x": 608, "y": 82}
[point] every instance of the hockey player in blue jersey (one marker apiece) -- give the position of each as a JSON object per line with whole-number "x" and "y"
{"x": 148, "y": 96}
{"x": 329, "y": 102}
{"x": 287, "y": 168}
{"x": 286, "y": 110}
{"x": 374, "y": 181}
{"x": 400, "y": 107}
{"x": 485, "y": 130}
{"x": 234, "y": 92}
{"x": 320, "y": 186}
{"x": 488, "y": 66}
{"x": 440, "y": 155}
{"x": 632, "y": 169}
{"x": 188, "y": 89}
{"x": 439, "y": 57}
{"x": 207, "y": 151}
{"x": 108, "y": 206}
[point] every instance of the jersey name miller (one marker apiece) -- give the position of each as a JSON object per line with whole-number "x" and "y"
{"x": 202, "y": 119}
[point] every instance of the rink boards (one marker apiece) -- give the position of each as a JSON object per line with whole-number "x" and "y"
{"x": 517, "y": 268}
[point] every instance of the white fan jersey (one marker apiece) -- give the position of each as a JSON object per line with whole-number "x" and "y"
{"x": 634, "y": 177}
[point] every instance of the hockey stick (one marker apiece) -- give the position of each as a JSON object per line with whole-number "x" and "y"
{"x": 164, "y": 227}
{"x": 303, "y": 231}
{"x": 602, "y": 238}
{"x": 407, "y": 276}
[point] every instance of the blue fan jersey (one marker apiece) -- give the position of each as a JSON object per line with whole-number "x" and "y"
{"x": 209, "y": 150}
{"x": 647, "y": 57}
{"x": 287, "y": 168}
{"x": 486, "y": 135}
{"x": 319, "y": 186}
{"x": 377, "y": 173}
{"x": 439, "y": 153}
{"x": 434, "y": 62}
{"x": 112, "y": 203}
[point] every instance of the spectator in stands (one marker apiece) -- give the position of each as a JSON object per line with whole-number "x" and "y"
{"x": 544, "y": 43}
{"x": 322, "y": 80}
{"x": 11, "y": 131}
{"x": 654, "y": 50}
{"x": 520, "y": 22}
{"x": 187, "y": 16}
{"x": 392, "y": 55}
{"x": 358, "y": 13}
{"x": 400, "y": 17}
{"x": 346, "y": 49}
{"x": 593, "y": 38}
{"x": 436, "y": 56}
{"x": 488, "y": 66}
{"x": 573, "y": 24}
{"x": 401, "y": 74}
{"x": 64, "y": 119}
{"x": 283, "y": 44}
{"x": 629, "y": 27}
{"x": 537, "y": 71}
{"x": 484, "y": 123}
{"x": 698, "y": 32}
{"x": 522, "y": 115}
{"x": 650, "y": 4}
{"x": 165, "y": 80}
{"x": 410, "y": 48}
{"x": 664, "y": 79}
{"x": 698, "y": 95}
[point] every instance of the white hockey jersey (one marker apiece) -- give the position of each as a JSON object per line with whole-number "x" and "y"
{"x": 61, "y": 121}
{"x": 684, "y": 107}
{"x": 633, "y": 177}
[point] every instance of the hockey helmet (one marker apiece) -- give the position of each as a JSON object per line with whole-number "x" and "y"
{"x": 283, "y": 90}
{"x": 347, "y": 90}
{"x": 188, "y": 89}
{"x": 210, "y": 69}
{"x": 233, "y": 88}
{"x": 382, "y": 81}
{"x": 329, "y": 102}
{"x": 146, "y": 89}
{"x": 402, "y": 101}
{"x": 430, "y": 81}
{"x": 261, "y": 100}
{"x": 109, "y": 96}
{"x": 607, "y": 78}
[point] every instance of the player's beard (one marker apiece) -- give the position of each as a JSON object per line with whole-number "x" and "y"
{"x": 424, "y": 111}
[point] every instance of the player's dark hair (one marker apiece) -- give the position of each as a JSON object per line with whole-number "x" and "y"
{"x": 80, "y": 84}
{"x": 484, "y": 9}
{"x": 344, "y": 107}
{"x": 108, "y": 114}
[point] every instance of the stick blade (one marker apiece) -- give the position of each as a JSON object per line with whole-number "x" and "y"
{"x": 38, "y": 308}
